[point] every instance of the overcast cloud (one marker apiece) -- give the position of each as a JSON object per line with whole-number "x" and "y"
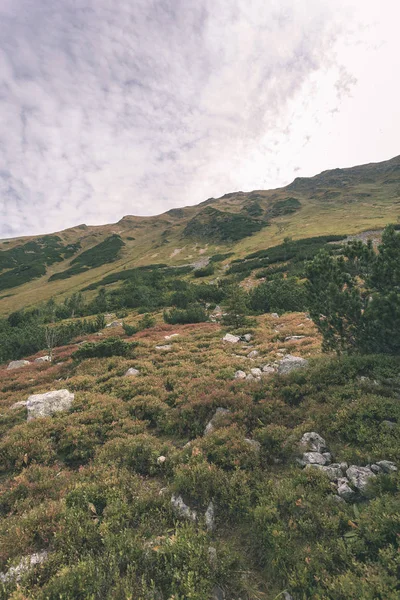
{"x": 119, "y": 107}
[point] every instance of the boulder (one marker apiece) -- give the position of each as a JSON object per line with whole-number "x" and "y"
{"x": 268, "y": 369}
{"x": 212, "y": 557}
{"x": 256, "y": 373}
{"x": 275, "y": 315}
{"x": 286, "y": 596}
{"x": 45, "y": 405}
{"x": 344, "y": 490}
{"x": 161, "y": 460}
{"x": 253, "y": 443}
{"x": 314, "y": 458}
{"x": 328, "y": 457}
{"x": 313, "y": 442}
{"x": 232, "y": 339}
{"x": 20, "y": 404}
{"x": 132, "y": 372}
{"x": 253, "y": 354}
{"x": 332, "y": 471}
{"x": 240, "y": 375}
{"x": 291, "y": 363}
{"x": 359, "y": 477}
{"x": 114, "y": 324}
{"x": 17, "y": 364}
{"x": 220, "y": 412}
{"x": 292, "y": 338}
{"x": 210, "y": 517}
{"x": 387, "y": 466}
{"x": 164, "y": 347}
{"x": 247, "y": 337}
{"x": 181, "y": 509}
{"x": 25, "y": 564}
{"x": 43, "y": 359}
{"x": 250, "y": 377}
{"x": 375, "y": 469}
{"x": 169, "y": 337}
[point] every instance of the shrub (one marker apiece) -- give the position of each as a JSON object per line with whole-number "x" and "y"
{"x": 193, "y": 314}
{"x": 129, "y": 329}
{"x": 109, "y": 347}
{"x": 204, "y": 271}
{"x": 279, "y": 295}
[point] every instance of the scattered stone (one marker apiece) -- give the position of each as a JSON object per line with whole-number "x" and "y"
{"x": 240, "y": 375}
{"x": 250, "y": 377}
{"x": 210, "y": 517}
{"x": 232, "y": 339}
{"x": 359, "y": 477}
{"x": 169, "y": 337}
{"x": 376, "y": 469}
{"x": 292, "y": 338}
{"x": 344, "y": 466}
{"x": 389, "y": 424}
{"x": 332, "y": 471}
{"x": 253, "y": 443}
{"x": 387, "y": 466}
{"x": 181, "y": 509}
{"x": 328, "y": 457}
{"x": 291, "y": 363}
{"x": 253, "y": 354}
{"x": 17, "y": 364}
{"x": 114, "y": 324}
{"x": 45, "y": 405}
{"x": 43, "y": 359}
{"x": 210, "y": 427}
{"x": 165, "y": 347}
{"x": 267, "y": 372}
{"x": 256, "y": 372}
{"x": 212, "y": 557}
{"x": 161, "y": 460}
{"x": 314, "y": 442}
{"x": 344, "y": 490}
{"x": 275, "y": 315}
{"x": 314, "y": 458}
{"x": 20, "y": 404}
{"x": 338, "y": 499}
{"x": 25, "y": 564}
{"x": 132, "y": 372}
{"x": 247, "y": 337}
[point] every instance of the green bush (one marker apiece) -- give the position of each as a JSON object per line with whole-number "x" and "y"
{"x": 193, "y": 314}
{"x": 109, "y": 347}
{"x": 279, "y": 295}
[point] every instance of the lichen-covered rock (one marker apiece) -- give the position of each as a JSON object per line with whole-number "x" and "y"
{"x": 43, "y": 359}
{"x": 240, "y": 375}
{"x": 232, "y": 339}
{"x": 210, "y": 517}
{"x": 181, "y": 509}
{"x": 45, "y": 405}
{"x": 164, "y": 347}
{"x": 161, "y": 460}
{"x": 344, "y": 490}
{"x": 219, "y": 413}
{"x": 359, "y": 477}
{"x": 114, "y": 324}
{"x": 247, "y": 337}
{"x": 253, "y": 354}
{"x": 313, "y": 442}
{"x": 291, "y": 363}
{"x": 132, "y": 372}
{"x": 268, "y": 370}
{"x": 25, "y": 564}
{"x": 256, "y": 373}
{"x": 314, "y": 458}
{"x": 17, "y": 364}
{"x": 332, "y": 471}
{"x": 17, "y": 405}
{"x": 387, "y": 466}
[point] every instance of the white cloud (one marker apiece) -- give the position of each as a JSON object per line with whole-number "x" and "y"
{"x": 112, "y": 108}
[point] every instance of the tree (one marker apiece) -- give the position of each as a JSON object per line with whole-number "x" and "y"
{"x": 236, "y": 306}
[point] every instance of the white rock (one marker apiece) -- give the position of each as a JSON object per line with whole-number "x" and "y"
{"x": 253, "y": 354}
{"x": 275, "y": 315}
{"x": 25, "y": 564}
{"x": 328, "y": 457}
{"x": 256, "y": 373}
{"x": 169, "y": 337}
{"x": 240, "y": 375}
{"x": 314, "y": 458}
{"x": 181, "y": 509}
{"x": 313, "y": 441}
{"x": 17, "y": 364}
{"x": 268, "y": 369}
{"x": 16, "y": 405}
{"x": 161, "y": 460}
{"x": 165, "y": 347}
{"x": 387, "y": 466}
{"x": 45, "y": 405}
{"x": 232, "y": 339}
{"x": 292, "y": 338}
{"x": 343, "y": 489}
{"x": 114, "y": 324}
{"x": 291, "y": 363}
{"x": 359, "y": 477}
{"x": 210, "y": 517}
{"x": 247, "y": 337}
{"x": 43, "y": 359}
{"x": 132, "y": 372}
{"x": 376, "y": 469}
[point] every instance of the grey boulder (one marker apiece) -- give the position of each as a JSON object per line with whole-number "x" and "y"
{"x": 344, "y": 490}
{"x": 45, "y": 405}
{"x": 181, "y": 509}
{"x": 240, "y": 375}
{"x": 43, "y": 359}
{"x": 314, "y": 458}
{"x": 220, "y": 412}
{"x": 232, "y": 339}
{"x": 291, "y": 363}
{"x": 314, "y": 442}
{"x": 17, "y": 364}
{"x": 25, "y": 564}
{"x": 132, "y": 372}
{"x": 359, "y": 477}
{"x": 387, "y": 466}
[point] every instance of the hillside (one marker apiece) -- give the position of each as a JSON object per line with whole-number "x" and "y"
{"x": 336, "y": 202}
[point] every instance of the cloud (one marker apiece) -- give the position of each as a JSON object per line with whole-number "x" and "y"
{"x": 113, "y": 108}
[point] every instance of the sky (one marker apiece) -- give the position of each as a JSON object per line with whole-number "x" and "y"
{"x": 116, "y": 107}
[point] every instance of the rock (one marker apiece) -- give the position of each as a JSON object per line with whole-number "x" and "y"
{"x": 232, "y": 339}
{"x": 240, "y": 375}
{"x": 161, "y": 460}
{"x": 45, "y": 405}
{"x": 344, "y": 490}
{"x": 338, "y": 499}
{"x": 314, "y": 442}
{"x": 250, "y": 377}
{"x": 359, "y": 477}
{"x": 43, "y": 359}
{"x": 165, "y": 347}
{"x": 389, "y": 424}
{"x": 17, "y": 364}
{"x": 132, "y": 372}
{"x": 344, "y": 466}
{"x": 253, "y": 354}
{"x": 253, "y": 443}
{"x": 314, "y": 458}
{"x": 181, "y": 509}
{"x": 376, "y": 469}
{"x": 20, "y": 404}
{"x": 114, "y": 324}
{"x": 25, "y": 564}
{"x": 267, "y": 373}
{"x": 275, "y": 315}
{"x": 256, "y": 373}
{"x": 212, "y": 557}
{"x": 291, "y": 363}
{"x": 328, "y": 457}
{"x": 247, "y": 337}
{"x": 387, "y": 466}
{"x": 169, "y": 337}
{"x": 217, "y": 593}
{"x": 214, "y": 420}
{"x": 332, "y": 471}
{"x": 268, "y": 369}
{"x": 210, "y": 517}
{"x": 286, "y": 596}
{"x": 292, "y": 338}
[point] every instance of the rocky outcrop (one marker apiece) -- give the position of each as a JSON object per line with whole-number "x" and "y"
{"x": 17, "y": 364}
{"x": 291, "y": 363}
{"x": 25, "y": 564}
{"x": 210, "y": 517}
{"x": 45, "y": 405}
{"x": 181, "y": 509}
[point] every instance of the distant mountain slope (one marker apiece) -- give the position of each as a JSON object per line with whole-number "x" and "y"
{"x": 335, "y": 202}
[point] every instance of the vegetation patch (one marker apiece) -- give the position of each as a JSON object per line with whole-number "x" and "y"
{"x": 213, "y": 224}
{"x": 283, "y": 207}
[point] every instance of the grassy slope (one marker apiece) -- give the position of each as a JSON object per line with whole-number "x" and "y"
{"x": 334, "y": 202}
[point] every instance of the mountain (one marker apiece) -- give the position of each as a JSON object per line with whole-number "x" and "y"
{"x": 335, "y": 202}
